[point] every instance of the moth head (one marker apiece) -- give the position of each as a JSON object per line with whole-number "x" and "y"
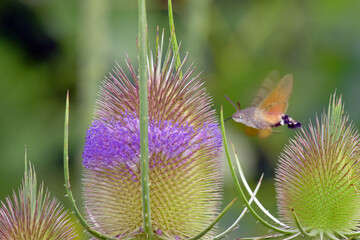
{"x": 246, "y": 116}
{"x": 240, "y": 117}
{"x": 237, "y": 108}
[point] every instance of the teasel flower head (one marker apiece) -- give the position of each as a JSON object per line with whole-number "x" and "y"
{"x": 184, "y": 148}
{"x": 33, "y": 214}
{"x": 318, "y": 177}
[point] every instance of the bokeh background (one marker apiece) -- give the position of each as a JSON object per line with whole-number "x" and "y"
{"x": 49, "y": 46}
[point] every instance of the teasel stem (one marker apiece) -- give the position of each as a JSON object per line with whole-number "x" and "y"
{"x": 67, "y": 178}
{"x": 238, "y": 186}
{"x": 233, "y": 226}
{"x": 257, "y": 202}
{"x": 173, "y": 37}
{"x": 144, "y": 120}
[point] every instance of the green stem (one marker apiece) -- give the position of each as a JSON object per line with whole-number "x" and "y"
{"x": 243, "y": 180}
{"x": 241, "y": 192}
{"x": 67, "y": 178}
{"x": 144, "y": 115}
{"x": 173, "y": 37}
{"x": 235, "y": 224}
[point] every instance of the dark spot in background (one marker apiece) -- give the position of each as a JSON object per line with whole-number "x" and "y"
{"x": 263, "y": 165}
{"x": 19, "y": 25}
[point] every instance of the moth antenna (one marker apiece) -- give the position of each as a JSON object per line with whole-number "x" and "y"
{"x": 232, "y": 103}
{"x": 238, "y": 105}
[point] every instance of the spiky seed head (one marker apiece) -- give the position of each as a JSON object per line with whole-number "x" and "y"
{"x": 318, "y": 176}
{"x": 184, "y": 145}
{"x": 32, "y": 214}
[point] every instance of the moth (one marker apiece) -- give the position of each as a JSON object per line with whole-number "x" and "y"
{"x": 269, "y": 106}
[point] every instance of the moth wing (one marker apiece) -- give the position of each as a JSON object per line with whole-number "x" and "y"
{"x": 273, "y": 112}
{"x": 251, "y": 132}
{"x": 261, "y": 133}
{"x": 264, "y": 133}
{"x": 266, "y": 87}
{"x": 276, "y": 102}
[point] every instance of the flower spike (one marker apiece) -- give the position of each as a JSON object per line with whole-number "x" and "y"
{"x": 317, "y": 176}
{"x": 184, "y": 149}
{"x": 33, "y": 214}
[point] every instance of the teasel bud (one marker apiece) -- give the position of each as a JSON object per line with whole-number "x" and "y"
{"x": 318, "y": 176}
{"x": 184, "y": 149}
{"x": 33, "y": 214}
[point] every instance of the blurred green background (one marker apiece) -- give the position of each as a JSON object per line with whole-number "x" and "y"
{"x": 49, "y": 46}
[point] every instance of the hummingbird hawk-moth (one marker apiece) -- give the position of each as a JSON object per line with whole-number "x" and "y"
{"x": 268, "y": 107}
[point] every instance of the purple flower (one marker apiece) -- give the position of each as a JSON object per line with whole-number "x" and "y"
{"x": 184, "y": 146}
